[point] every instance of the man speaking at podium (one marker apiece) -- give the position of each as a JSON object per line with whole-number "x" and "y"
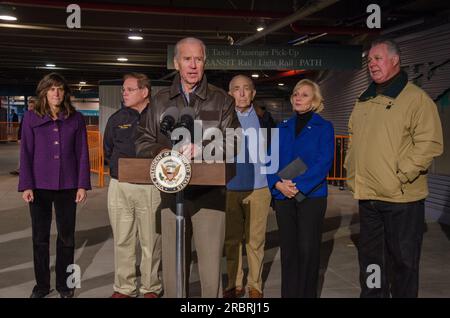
{"x": 204, "y": 206}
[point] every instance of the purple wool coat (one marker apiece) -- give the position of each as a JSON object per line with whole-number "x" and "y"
{"x": 54, "y": 154}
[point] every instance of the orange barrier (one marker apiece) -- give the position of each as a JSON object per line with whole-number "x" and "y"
{"x": 92, "y": 127}
{"x": 96, "y": 159}
{"x": 337, "y": 172}
{"x": 8, "y": 131}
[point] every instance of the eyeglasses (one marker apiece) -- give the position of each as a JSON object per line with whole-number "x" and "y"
{"x": 129, "y": 90}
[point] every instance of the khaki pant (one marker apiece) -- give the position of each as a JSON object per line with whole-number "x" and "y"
{"x": 132, "y": 213}
{"x": 246, "y": 217}
{"x": 205, "y": 224}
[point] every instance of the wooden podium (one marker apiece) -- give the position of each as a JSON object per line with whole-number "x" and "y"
{"x": 137, "y": 170}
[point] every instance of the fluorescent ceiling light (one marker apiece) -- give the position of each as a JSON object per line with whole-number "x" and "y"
{"x": 122, "y": 59}
{"x": 260, "y": 28}
{"x": 82, "y": 83}
{"x": 7, "y": 13}
{"x": 255, "y": 75}
{"x": 135, "y": 37}
{"x": 8, "y": 17}
{"x": 280, "y": 84}
{"x": 50, "y": 65}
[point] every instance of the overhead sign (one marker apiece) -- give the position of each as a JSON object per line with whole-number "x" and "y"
{"x": 313, "y": 57}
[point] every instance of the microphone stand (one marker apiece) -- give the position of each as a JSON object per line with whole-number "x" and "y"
{"x": 180, "y": 241}
{"x": 180, "y": 238}
{"x": 180, "y": 247}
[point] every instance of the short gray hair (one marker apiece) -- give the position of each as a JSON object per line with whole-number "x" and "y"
{"x": 391, "y": 45}
{"x": 189, "y": 40}
{"x": 241, "y": 76}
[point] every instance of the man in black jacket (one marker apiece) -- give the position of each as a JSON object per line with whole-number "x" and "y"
{"x": 132, "y": 207}
{"x": 204, "y": 206}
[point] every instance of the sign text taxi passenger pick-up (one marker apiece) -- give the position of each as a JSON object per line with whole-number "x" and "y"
{"x": 279, "y": 58}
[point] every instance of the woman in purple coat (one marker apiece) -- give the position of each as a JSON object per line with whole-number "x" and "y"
{"x": 54, "y": 170}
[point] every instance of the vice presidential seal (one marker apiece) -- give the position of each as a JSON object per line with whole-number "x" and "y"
{"x": 170, "y": 171}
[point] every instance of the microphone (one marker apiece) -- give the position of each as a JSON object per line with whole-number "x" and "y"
{"x": 168, "y": 120}
{"x": 187, "y": 120}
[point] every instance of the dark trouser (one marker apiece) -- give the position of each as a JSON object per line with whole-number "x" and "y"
{"x": 41, "y": 220}
{"x": 390, "y": 237}
{"x": 300, "y": 230}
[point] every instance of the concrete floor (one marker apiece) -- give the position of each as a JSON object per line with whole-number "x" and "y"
{"x": 94, "y": 253}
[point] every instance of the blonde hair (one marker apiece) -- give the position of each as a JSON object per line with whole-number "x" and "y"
{"x": 317, "y": 102}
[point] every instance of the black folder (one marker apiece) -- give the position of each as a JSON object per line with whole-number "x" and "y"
{"x": 292, "y": 170}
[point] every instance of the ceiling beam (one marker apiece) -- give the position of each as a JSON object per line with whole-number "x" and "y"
{"x": 145, "y": 9}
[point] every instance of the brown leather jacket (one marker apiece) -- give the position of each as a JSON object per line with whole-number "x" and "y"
{"x": 212, "y": 105}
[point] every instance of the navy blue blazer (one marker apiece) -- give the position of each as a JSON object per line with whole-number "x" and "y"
{"x": 314, "y": 145}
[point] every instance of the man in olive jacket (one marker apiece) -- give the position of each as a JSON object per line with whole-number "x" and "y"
{"x": 204, "y": 206}
{"x": 395, "y": 133}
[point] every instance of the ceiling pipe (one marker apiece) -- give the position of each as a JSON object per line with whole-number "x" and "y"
{"x": 309, "y": 39}
{"x": 307, "y": 29}
{"x": 106, "y": 30}
{"x": 167, "y": 76}
{"x": 299, "y": 14}
{"x": 111, "y": 7}
{"x": 298, "y": 39}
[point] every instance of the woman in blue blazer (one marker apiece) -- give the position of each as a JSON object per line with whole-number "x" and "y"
{"x": 307, "y": 136}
